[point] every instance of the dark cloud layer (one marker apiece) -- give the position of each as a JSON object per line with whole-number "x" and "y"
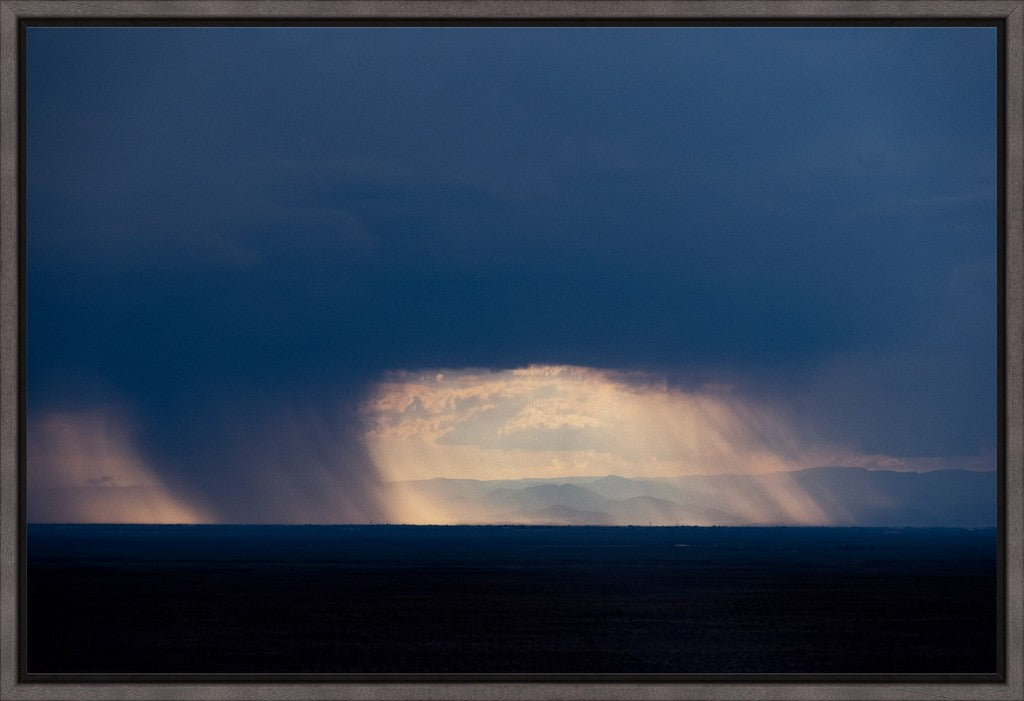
{"x": 226, "y": 218}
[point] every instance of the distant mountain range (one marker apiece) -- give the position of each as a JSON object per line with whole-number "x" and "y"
{"x": 823, "y": 495}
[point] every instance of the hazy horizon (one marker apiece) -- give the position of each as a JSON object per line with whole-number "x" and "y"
{"x": 820, "y": 496}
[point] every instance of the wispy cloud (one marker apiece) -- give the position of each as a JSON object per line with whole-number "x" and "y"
{"x": 85, "y": 466}
{"x": 281, "y": 466}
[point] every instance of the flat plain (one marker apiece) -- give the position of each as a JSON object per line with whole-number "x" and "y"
{"x": 509, "y": 599}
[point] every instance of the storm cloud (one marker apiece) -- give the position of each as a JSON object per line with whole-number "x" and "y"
{"x": 243, "y": 237}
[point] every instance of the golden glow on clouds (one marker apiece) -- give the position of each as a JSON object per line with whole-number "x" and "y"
{"x": 566, "y": 421}
{"x": 84, "y": 467}
{"x": 544, "y": 421}
{"x": 547, "y": 422}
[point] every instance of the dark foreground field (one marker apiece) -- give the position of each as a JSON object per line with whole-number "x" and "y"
{"x": 214, "y": 599}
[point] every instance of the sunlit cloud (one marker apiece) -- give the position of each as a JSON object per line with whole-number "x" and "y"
{"x": 566, "y": 422}
{"x": 544, "y": 421}
{"x": 703, "y": 456}
{"x": 85, "y": 467}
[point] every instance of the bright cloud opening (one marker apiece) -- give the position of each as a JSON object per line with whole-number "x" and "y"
{"x": 725, "y": 458}
{"x": 545, "y": 421}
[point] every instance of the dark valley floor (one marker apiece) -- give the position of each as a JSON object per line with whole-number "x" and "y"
{"x": 399, "y": 599}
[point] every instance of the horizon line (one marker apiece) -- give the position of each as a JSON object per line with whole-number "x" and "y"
{"x": 707, "y": 474}
{"x": 507, "y": 525}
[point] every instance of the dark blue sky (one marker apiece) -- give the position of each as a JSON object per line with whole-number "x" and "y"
{"x": 224, "y": 221}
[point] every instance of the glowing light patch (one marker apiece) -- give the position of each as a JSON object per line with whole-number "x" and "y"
{"x": 567, "y": 422}
{"x": 83, "y": 467}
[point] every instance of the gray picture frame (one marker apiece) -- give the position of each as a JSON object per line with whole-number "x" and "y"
{"x": 1011, "y": 12}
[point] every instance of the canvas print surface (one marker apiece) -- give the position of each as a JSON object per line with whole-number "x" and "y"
{"x": 511, "y": 349}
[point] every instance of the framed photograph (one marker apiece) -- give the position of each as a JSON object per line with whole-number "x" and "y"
{"x": 494, "y": 350}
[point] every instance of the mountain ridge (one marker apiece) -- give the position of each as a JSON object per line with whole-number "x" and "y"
{"x": 826, "y": 495}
